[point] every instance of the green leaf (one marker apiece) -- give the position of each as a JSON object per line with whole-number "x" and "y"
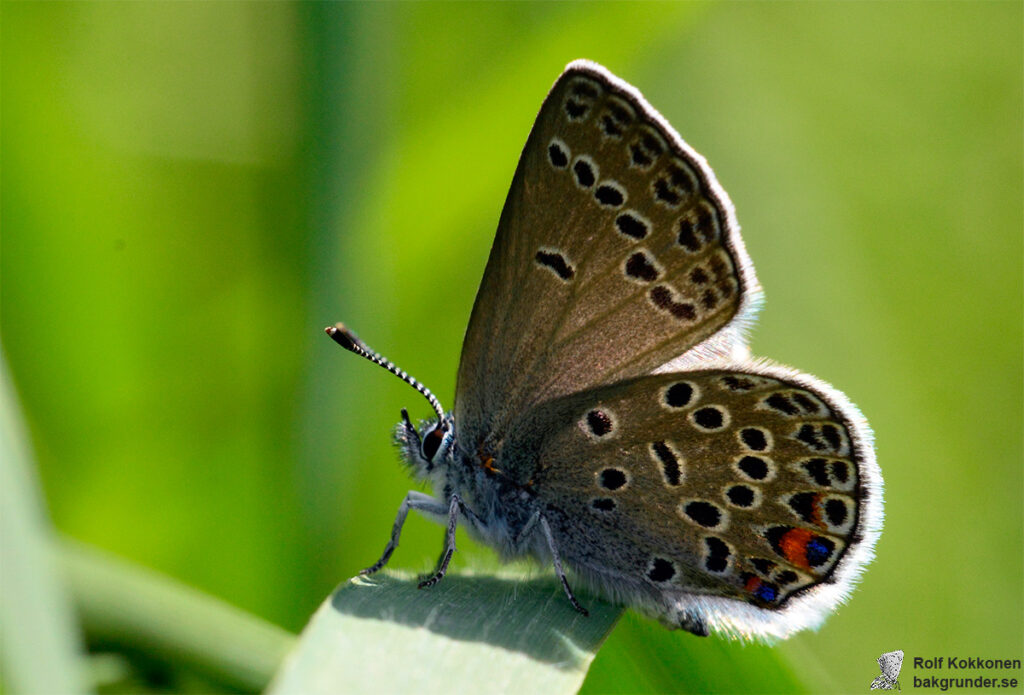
{"x": 39, "y": 641}
{"x": 473, "y": 633}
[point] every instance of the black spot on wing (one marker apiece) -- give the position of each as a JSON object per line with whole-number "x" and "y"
{"x": 584, "y": 173}
{"x": 678, "y": 395}
{"x": 661, "y": 570}
{"x": 754, "y": 467}
{"x": 836, "y": 512}
{"x": 703, "y": 513}
{"x": 640, "y": 267}
{"x": 717, "y": 559}
{"x": 740, "y": 495}
{"x": 662, "y": 297}
{"x": 556, "y": 262}
{"x": 632, "y": 226}
{"x": 709, "y": 418}
{"x": 612, "y": 479}
{"x": 599, "y": 422}
{"x": 558, "y": 156}
{"x": 669, "y": 462}
{"x": 754, "y": 438}
{"x": 609, "y": 196}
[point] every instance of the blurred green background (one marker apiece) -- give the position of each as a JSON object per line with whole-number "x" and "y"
{"x": 190, "y": 192}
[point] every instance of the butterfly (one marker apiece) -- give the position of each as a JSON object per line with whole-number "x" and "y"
{"x": 890, "y": 663}
{"x": 609, "y": 419}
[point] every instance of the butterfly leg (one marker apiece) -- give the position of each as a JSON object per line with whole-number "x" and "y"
{"x": 414, "y": 500}
{"x": 449, "y": 543}
{"x": 469, "y": 516}
{"x": 558, "y": 565}
{"x": 526, "y": 530}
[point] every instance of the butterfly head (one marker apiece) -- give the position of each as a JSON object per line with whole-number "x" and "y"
{"x": 428, "y": 447}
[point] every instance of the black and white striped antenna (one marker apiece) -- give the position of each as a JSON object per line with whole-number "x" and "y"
{"x": 347, "y": 339}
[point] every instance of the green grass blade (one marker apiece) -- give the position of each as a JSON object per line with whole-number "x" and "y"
{"x": 39, "y": 641}
{"x": 479, "y": 633}
{"x": 127, "y": 605}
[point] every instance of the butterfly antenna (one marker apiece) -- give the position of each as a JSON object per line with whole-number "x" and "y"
{"x": 348, "y": 340}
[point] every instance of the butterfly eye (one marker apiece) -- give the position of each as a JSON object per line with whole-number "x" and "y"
{"x": 432, "y": 442}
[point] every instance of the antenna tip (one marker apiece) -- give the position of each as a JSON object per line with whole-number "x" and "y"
{"x": 343, "y": 336}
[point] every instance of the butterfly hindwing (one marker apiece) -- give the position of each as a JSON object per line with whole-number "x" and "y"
{"x": 748, "y": 484}
{"x": 616, "y": 252}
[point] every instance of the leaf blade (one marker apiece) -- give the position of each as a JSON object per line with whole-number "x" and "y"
{"x": 487, "y": 633}
{"x": 39, "y": 640}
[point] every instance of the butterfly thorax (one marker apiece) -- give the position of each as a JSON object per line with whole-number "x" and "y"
{"x": 502, "y": 498}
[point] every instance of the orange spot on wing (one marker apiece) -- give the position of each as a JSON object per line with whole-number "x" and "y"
{"x": 816, "y": 511}
{"x": 794, "y": 546}
{"x": 753, "y": 583}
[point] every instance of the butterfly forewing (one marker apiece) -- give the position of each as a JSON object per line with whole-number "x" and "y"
{"x": 723, "y": 483}
{"x": 616, "y": 252}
